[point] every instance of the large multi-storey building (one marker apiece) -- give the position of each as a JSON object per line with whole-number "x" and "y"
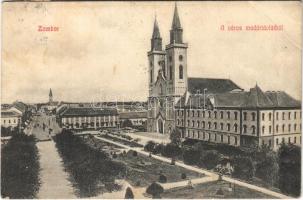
{"x": 215, "y": 110}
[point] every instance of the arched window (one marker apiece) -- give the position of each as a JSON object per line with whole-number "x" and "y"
{"x": 209, "y": 125}
{"x": 198, "y": 124}
{"x": 180, "y": 72}
{"x": 277, "y": 128}
{"x": 193, "y": 123}
{"x": 221, "y": 114}
{"x": 236, "y": 127}
{"x": 283, "y": 128}
{"x": 151, "y": 76}
{"x": 215, "y": 113}
{"x": 244, "y": 116}
{"x": 253, "y": 116}
{"x": 244, "y": 129}
{"x": 236, "y": 115}
{"x": 228, "y": 127}
{"x": 253, "y": 130}
{"x": 180, "y": 57}
{"x": 269, "y": 116}
{"x": 209, "y": 114}
{"x": 188, "y": 123}
{"x": 215, "y": 125}
{"x": 203, "y": 124}
{"x": 170, "y": 72}
{"x": 228, "y": 115}
{"x": 263, "y": 129}
{"x": 193, "y": 113}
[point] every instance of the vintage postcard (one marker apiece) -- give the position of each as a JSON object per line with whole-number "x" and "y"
{"x": 151, "y": 99}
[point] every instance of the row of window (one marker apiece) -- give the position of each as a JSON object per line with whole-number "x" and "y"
{"x": 193, "y": 113}
{"x": 283, "y": 115}
{"x": 207, "y": 135}
{"x": 14, "y": 121}
{"x": 92, "y": 124}
{"x": 289, "y": 140}
{"x": 283, "y": 128}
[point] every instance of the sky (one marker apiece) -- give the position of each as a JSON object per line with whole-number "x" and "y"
{"x": 100, "y": 50}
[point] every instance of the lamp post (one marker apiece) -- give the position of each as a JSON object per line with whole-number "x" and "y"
{"x": 204, "y": 91}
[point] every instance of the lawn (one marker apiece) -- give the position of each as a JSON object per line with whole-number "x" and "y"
{"x": 122, "y": 141}
{"x": 147, "y": 170}
{"x": 209, "y": 191}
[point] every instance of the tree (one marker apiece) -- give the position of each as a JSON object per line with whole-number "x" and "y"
{"x": 175, "y": 137}
{"x": 191, "y": 156}
{"x": 150, "y": 146}
{"x": 244, "y": 168}
{"x": 155, "y": 189}
{"x": 129, "y": 193}
{"x": 267, "y": 167}
{"x": 290, "y": 169}
{"x": 162, "y": 178}
{"x": 171, "y": 150}
{"x": 127, "y": 123}
{"x": 210, "y": 159}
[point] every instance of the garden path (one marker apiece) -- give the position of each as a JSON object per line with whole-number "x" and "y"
{"x": 203, "y": 171}
{"x": 53, "y": 178}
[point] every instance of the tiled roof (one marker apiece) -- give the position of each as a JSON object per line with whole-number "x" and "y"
{"x": 254, "y": 98}
{"x": 282, "y": 99}
{"x": 133, "y": 115}
{"x": 213, "y": 86}
{"x": 10, "y": 114}
{"x": 88, "y": 111}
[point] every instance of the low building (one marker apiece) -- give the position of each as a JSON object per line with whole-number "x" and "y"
{"x": 10, "y": 118}
{"x": 241, "y": 118}
{"x": 85, "y": 118}
{"x": 136, "y": 118}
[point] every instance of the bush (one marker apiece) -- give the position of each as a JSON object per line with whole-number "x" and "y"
{"x": 183, "y": 176}
{"x": 88, "y": 166}
{"x": 191, "y": 156}
{"x": 129, "y": 193}
{"x": 290, "y": 169}
{"x": 162, "y": 178}
{"x": 158, "y": 149}
{"x": 210, "y": 159}
{"x": 150, "y": 146}
{"x": 155, "y": 190}
{"x": 20, "y": 168}
{"x": 135, "y": 153}
{"x": 244, "y": 168}
{"x": 171, "y": 150}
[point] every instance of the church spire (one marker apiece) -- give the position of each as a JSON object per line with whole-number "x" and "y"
{"x": 156, "y": 32}
{"x": 50, "y": 95}
{"x": 156, "y": 41}
{"x": 176, "y": 32}
{"x": 176, "y": 21}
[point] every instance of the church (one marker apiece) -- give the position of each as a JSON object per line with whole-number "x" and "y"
{"x": 168, "y": 80}
{"x": 213, "y": 110}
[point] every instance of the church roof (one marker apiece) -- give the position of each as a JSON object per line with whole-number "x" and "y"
{"x": 176, "y": 20}
{"x": 50, "y": 92}
{"x": 156, "y": 31}
{"x": 212, "y": 85}
{"x": 133, "y": 115}
{"x": 87, "y": 111}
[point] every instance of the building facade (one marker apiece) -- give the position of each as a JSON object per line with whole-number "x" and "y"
{"x": 10, "y": 118}
{"x": 241, "y": 118}
{"x": 137, "y": 118}
{"x": 88, "y": 118}
{"x": 214, "y": 110}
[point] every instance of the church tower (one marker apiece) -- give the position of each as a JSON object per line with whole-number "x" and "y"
{"x": 50, "y": 96}
{"x": 156, "y": 58}
{"x": 176, "y": 58}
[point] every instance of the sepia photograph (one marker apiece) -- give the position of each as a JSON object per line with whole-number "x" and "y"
{"x": 151, "y": 99}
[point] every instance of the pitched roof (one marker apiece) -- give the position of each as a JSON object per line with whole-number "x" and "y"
{"x": 10, "y": 114}
{"x": 254, "y": 98}
{"x": 88, "y": 111}
{"x": 176, "y": 20}
{"x": 213, "y": 86}
{"x": 133, "y": 115}
{"x": 282, "y": 99}
{"x": 20, "y": 106}
{"x": 156, "y": 31}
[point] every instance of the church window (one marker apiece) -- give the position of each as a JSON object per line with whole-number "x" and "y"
{"x": 151, "y": 76}
{"x": 180, "y": 57}
{"x": 170, "y": 72}
{"x": 180, "y": 72}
